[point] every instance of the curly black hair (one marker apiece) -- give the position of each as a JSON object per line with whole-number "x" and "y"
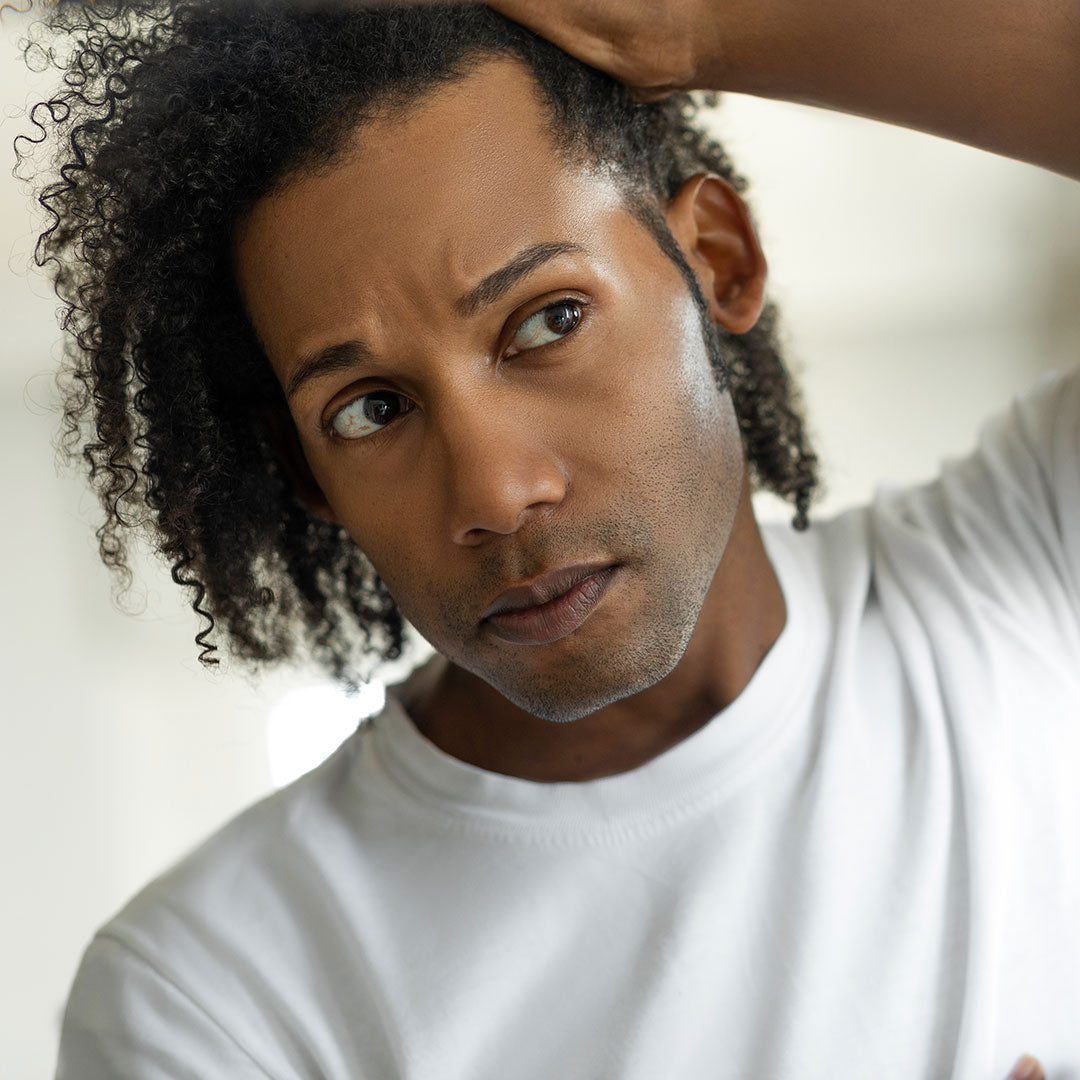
{"x": 173, "y": 118}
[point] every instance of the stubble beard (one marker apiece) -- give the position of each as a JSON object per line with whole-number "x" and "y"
{"x": 585, "y": 682}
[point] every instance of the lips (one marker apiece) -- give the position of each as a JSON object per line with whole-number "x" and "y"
{"x": 546, "y": 587}
{"x": 532, "y": 623}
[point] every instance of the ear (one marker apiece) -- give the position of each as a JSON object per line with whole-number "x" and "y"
{"x": 281, "y": 431}
{"x": 712, "y": 226}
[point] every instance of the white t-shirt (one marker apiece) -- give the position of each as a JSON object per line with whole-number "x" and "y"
{"x": 867, "y": 866}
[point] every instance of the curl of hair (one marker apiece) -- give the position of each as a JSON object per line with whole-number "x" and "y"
{"x": 173, "y": 118}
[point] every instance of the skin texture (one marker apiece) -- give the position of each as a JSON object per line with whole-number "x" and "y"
{"x": 611, "y": 444}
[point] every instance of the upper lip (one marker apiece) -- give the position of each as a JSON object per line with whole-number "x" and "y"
{"x": 544, "y": 588}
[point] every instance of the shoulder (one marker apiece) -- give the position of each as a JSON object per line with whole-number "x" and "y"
{"x": 1005, "y": 518}
{"x": 199, "y": 967}
{"x": 231, "y": 906}
{"x": 992, "y": 541}
{"x": 230, "y": 874}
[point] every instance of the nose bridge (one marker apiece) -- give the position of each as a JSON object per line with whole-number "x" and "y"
{"x": 497, "y": 461}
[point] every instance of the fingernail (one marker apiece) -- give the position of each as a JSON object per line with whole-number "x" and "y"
{"x": 1027, "y": 1068}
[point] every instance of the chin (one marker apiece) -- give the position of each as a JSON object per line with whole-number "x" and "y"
{"x": 570, "y": 694}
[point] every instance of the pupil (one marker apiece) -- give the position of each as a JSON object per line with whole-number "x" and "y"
{"x": 380, "y": 409}
{"x": 562, "y": 318}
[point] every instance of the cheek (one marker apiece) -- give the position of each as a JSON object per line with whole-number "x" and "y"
{"x": 381, "y": 523}
{"x": 406, "y": 568}
{"x": 687, "y": 463}
{"x": 669, "y": 399}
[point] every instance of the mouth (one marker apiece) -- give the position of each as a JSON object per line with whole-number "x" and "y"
{"x": 552, "y": 607}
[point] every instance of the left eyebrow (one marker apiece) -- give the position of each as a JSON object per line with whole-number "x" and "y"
{"x": 502, "y": 280}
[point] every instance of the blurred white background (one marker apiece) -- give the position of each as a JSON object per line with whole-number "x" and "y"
{"x": 922, "y": 284}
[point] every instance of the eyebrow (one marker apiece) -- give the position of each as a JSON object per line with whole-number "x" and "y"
{"x": 506, "y": 277}
{"x": 341, "y": 357}
{"x": 349, "y": 354}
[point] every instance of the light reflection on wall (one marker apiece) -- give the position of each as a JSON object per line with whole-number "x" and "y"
{"x": 308, "y": 724}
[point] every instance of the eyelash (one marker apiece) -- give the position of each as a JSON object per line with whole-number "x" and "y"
{"x": 327, "y": 425}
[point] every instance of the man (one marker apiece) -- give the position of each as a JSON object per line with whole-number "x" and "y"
{"x": 405, "y": 304}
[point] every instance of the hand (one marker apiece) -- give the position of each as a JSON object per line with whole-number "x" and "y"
{"x": 1027, "y": 1068}
{"x": 654, "y": 48}
{"x": 998, "y": 74}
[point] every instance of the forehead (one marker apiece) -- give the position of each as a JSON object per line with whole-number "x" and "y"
{"x": 423, "y": 204}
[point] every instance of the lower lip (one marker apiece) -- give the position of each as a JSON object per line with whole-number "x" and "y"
{"x": 557, "y": 618}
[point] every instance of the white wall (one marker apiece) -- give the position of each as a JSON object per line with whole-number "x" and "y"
{"x": 923, "y": 284}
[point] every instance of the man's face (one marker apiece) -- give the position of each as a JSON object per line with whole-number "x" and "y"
{"x": 568, "y": 417}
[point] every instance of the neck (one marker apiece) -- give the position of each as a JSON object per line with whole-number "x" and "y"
{"x": 741, "y": 618}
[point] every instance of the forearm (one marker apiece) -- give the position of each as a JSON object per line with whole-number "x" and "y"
{"x": 1003, "y": 75}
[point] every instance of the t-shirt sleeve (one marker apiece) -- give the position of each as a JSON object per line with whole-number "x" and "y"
{"x": 1008, "y": 514}
{"x": 126, "y": 1020}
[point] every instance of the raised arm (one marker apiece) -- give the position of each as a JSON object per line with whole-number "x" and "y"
{"x": 1003, "y": 75}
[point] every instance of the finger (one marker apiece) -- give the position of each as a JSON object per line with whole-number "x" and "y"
{"x": 605, "y": 34}
{"x": 655, "y": 93}
{"x": 584, "y": 29}
{"x": 1027, "y": 1068}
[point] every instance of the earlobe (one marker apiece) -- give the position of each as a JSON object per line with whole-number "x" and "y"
{"x": 286, "y": 443}
{"x": 712, "y": 226}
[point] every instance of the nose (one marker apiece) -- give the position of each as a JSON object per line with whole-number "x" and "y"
{"x": 499, "y": 470}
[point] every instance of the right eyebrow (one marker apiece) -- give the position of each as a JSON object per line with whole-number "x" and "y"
{"x": 341, "y": 357}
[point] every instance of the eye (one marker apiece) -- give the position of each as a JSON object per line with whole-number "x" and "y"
{"x": 368, "y": 414}
{"x": 548, "y": 324}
